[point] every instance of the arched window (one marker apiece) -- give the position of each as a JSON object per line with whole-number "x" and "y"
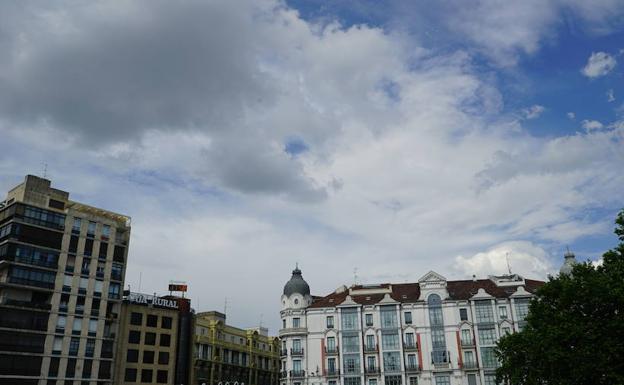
{"x": 436, "y": 320}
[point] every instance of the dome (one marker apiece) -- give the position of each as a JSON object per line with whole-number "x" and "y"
{"x": 568, "y": 264}
{"x": 296, "y": 284}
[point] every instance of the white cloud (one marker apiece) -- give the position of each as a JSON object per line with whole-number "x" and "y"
{"x": 571, "y": 115}
{"x": 533, "y": 112}
{"x": 591, "y": 125}
{"x": 524, "y": 258}
{"x": 599, "y": 64}
{"x": 610, "y": 96}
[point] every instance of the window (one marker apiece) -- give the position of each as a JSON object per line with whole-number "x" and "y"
{"x": 91, "y": 229}
{"x": 113, "y": 290}
{"x": 487, "y": 336}
{"x": 506, "y": 330}
{"x": 134, "y": 337}
{"x": 490, "y": 379}
{"x": 162, "y": 376}
{"x": 165, "y": 340}
{"x": 472, "y": 379}
{"x": 70, "y": 369}
{"x": 351, "y": 363}
{"x": 331, "y": 365}
{"x": 77, "y": 326}
{"x": 413, "y": 381}
{"x": 97, "y": 288}
{"x": 152, "y": 320}
{"x": 331, "y": 343}
{"x": 73, "y": 245}
{"x": 352, "y": 381}
{"x": 522, "y": 307}
{"x": 349, "y": 319}
{"x": 284, "y": 324}
{"x": 88, "y": 247}
{"x": 104, "y": 373}
{"x": 408, "y": 317}
{"x": 132, "y": 355}
{"x": 466, "y": 338}
{"x": 295, "y": 322}
{"x": 388, "y": 316}
{"x": 103, "y": 252}
{"x": 163, "y": 358}
{"x": 90, "y": 347}
{"x": 502, "y": 312}
{"x": 165, "y": 322}
{"x": 54, "y": 366}
{"x": 148, "y": 357}
{"x": 106, "y": 232}
{"x": 391, "y": 361}
{"x": 372, "y": 381}
{"x": 409, "y": 340}
{"x": 370, "y": 363}
{"x": 76, "y": 226}
{"x": 95, "y": 304}
{"x": 370, "y": 342}
{"x": 131, "y": 375}
{"x": 443, "y": 380}
{"x": 61, "y": 322}
{"x": 369, "y": 319}
{"x": 330, "y": 322}
{"x": 390, "y": 341}
{"x": 469, "y": 358}
{"x": 350, "y": 343}
{"x": 147, "y": 375}
{"x": 488, "y": 357}
{"x": 150, "y": 338}
{"x": 483, "y": 310}
{"x": 116, "y": 271}
{"x": 86, "y": 368}
{"x": 463, "y": 314}
{"x": 136, "y": 319}
{"x": 436, "y": 319}
{"x": 57, "y": 345}
{"x": 74, "y": 344}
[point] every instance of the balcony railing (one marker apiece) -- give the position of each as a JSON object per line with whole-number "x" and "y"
{"x": 332, "y": 372}
{"x": 283, "y": 375}
{"x": 467, "y": 342}
{"x": 331, "y": 349}
{"x": 370, "y": 348}
{"x": 283, "y": 352}
{"x": 469, "y": 365}
{"x": 297, "y": 373}
{"x": 371, "y": 370}
{"x": 296, "y": 352}
{"x": 410, "y": 345}
{"x": 28, "y": 304}
{"x": 412, "y": 368}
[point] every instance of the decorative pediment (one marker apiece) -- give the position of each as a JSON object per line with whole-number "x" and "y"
{"x": 387, "y": 299}
{"x": 348, "y": 301}
{"x": 481, "y": 294}
{"x": 521, "y": 292}
{"x": 431, "y": 276}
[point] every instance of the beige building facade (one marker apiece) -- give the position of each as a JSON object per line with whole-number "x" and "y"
{"x": 62, "y": 269}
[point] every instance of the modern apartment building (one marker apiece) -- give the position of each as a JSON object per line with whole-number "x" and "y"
{"x": 62, "y": 268}
{"x": 432, "y": 332}
{"x": 154, "y": 340}
{"x": 225, "y": 354}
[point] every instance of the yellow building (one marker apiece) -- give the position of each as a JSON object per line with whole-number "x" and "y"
{"x": 226, "y": 354}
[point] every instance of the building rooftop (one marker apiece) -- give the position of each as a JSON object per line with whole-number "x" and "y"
{"x": 410, "y": 292}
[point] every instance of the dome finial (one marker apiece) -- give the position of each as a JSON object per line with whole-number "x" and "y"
{"x": 568, "y": 263}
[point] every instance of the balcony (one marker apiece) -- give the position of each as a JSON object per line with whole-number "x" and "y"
{"x": 412, "y": 368}
{"x": 297, "y": 373}
{"x": 283, "y": 375}
{"x": 410, "y": 345}
{"x": 372, "y": 370}
{"x": 466, "y": 343}
{"x": 296, "y": 352}
{"x": 331, "y": 350}
{"x": 293, "y": 331}
{"x": 370, "y": 348}
{"x": 470, "y": 365}
{"x": 27, "y": 304}
{"x": 283, "y": 352}
{"x": 331, "y": 372}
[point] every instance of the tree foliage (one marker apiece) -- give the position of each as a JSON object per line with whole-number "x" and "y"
{"x": 575, "y": 328}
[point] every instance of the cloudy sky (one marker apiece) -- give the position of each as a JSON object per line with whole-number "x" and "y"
{"x": 389, "y": 137}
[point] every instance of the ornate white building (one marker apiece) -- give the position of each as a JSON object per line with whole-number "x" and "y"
{"x": 433, "y": 332}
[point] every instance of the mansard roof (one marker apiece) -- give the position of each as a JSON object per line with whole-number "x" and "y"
{"x": 410, "y": 292}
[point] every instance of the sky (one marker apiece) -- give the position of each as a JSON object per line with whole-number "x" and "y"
{"x": 367, "y": 141}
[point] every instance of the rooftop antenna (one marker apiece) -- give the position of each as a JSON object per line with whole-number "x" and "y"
{"x": 508, "y": 266}
{"x": 45, "y": 170}
{"x": 140, "y": 278}
{"x": 261, "y": 315}
{"x": 355, "y": 276}
{"x": 225, "y": 306}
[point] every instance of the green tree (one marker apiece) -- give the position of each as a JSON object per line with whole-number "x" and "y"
{"x": 575, "y": 328}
